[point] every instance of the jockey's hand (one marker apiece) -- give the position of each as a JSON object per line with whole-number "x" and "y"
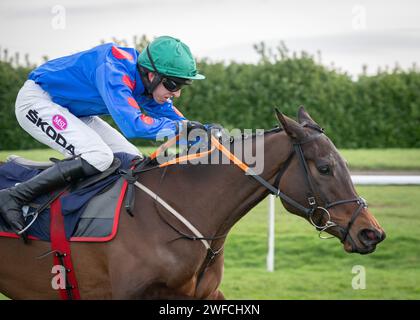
{"x": 196, "y": 132}
{"x": 192, "y": 125}
{"x": 215, "y": 129}
{"x": 218, "y": 132}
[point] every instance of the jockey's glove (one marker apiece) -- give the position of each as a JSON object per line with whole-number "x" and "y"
{"x": 215, "y": 129}
{"x": 192, "y": 125}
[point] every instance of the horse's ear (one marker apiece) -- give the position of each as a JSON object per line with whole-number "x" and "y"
{"x": 303, "y": 116}
{"x": 292, "y": 128}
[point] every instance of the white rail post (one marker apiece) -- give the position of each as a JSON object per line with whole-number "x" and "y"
{"x": 271, "y": 233}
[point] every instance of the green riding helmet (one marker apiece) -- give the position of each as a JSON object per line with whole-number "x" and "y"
{"x": 169, "y": 57}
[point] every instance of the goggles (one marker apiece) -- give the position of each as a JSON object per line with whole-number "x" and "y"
{"x": 171, "y": 84}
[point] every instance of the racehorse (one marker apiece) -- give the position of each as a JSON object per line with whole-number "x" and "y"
{"x": 152, "y": 256}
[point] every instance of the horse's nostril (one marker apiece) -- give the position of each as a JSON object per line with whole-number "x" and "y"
{"x": 370, "y": 236}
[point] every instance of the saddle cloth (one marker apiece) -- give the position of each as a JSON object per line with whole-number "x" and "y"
{"x": 90, "y": 213}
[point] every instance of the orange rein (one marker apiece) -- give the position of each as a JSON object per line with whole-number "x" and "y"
{"x": 215, "y": 145}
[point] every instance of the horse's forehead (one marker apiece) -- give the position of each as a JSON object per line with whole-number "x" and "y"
{"x": 325, "y": 148}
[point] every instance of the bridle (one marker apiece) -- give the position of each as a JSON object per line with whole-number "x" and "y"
{"x": 314, "y": 205}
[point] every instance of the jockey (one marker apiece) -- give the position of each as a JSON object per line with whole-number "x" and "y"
{"x": 60, "y": 102}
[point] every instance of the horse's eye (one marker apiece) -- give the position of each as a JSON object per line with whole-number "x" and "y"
{"x": 324, "y": 170}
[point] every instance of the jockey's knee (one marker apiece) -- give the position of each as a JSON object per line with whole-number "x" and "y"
{"x": 99, "y": 159}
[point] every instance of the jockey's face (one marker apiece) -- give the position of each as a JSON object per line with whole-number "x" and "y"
{"x": 161, "y": 94}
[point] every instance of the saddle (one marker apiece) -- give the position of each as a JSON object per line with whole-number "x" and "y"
{"x": 88, "y": 207}
{"x": 38, "y": 165}
{"x": 86, "y": 212}
{"x": 29, "y": 163}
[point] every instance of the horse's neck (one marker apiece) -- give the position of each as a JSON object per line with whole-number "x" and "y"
{"x": 214, "y": 197}
{"x": 244, "y": 191}
{"x": 217, "y": 196}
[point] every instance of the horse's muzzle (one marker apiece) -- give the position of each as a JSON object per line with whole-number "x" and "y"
{"x": 369, "y": 238}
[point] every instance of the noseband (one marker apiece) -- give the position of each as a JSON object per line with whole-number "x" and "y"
{"x": 314, "y": 205}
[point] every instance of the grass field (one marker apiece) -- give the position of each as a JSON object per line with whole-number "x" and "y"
{"x": 309, "y": 268}
{"x": 359, "y": 159}
{"x": 382, "y": 159}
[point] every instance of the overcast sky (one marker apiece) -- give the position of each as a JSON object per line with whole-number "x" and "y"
{"x": 350, "y": 33}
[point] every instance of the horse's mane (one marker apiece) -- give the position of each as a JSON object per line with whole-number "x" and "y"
{"x": 272, "y": 130}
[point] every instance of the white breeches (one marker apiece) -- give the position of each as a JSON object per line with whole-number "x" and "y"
{"x": 90, "y": 137}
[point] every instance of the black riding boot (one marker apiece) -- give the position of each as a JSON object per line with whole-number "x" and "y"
{"x": 58, "y": 176}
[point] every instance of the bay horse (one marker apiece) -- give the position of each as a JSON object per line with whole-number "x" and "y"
{"x": 148, "y": 259}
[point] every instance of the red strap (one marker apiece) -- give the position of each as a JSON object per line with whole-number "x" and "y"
{"x": 60, "y": 245}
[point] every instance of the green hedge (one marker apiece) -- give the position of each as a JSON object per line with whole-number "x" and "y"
{"x": 382, "y": 110}
{"x": 12, "y": 136}
{"x": 375, "y": 111}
